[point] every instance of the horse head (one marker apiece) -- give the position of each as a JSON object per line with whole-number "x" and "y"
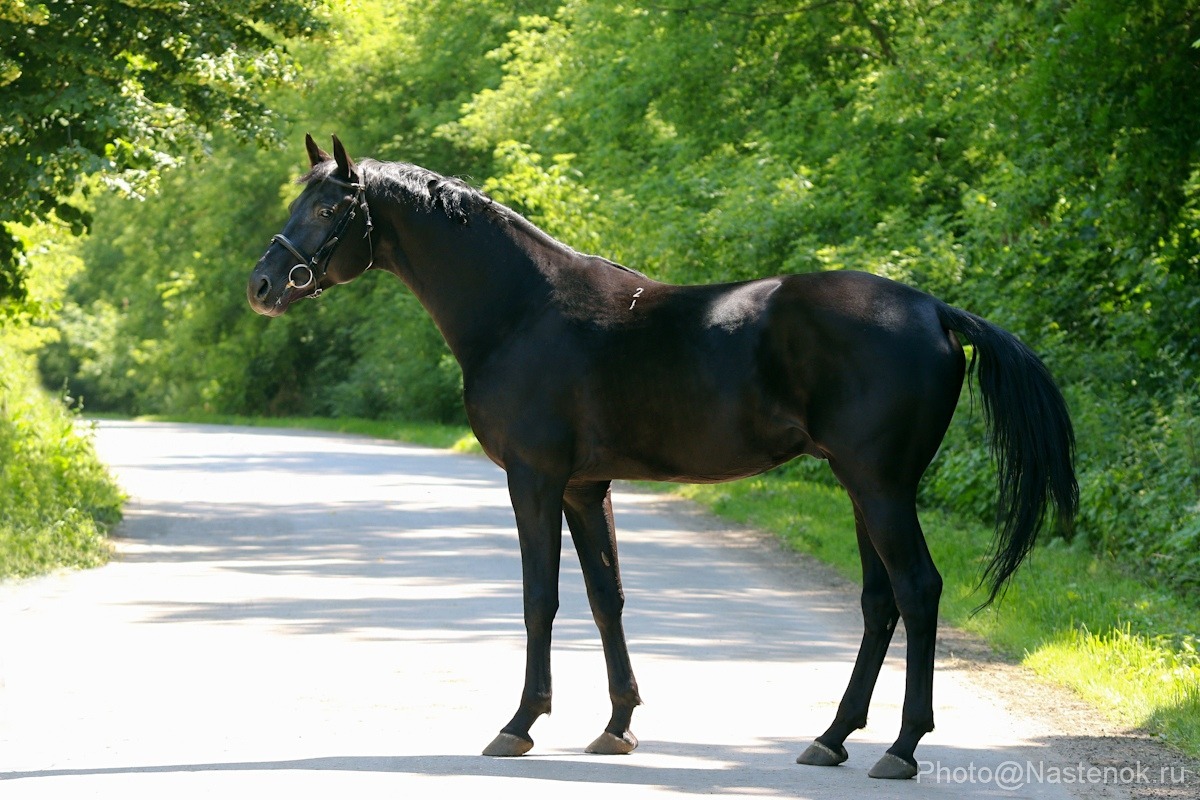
{"x": 326, "y": 241}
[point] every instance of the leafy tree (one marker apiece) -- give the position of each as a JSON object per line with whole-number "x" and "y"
{"x": 122, "y": 90}
{"x": 1035, "y": 161}
{"x": 150, "y": 308}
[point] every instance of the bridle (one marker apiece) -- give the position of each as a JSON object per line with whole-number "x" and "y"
{"x": 311, "y": 270}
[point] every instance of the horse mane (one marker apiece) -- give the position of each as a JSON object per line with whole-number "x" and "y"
{"x": 409, "y": 183}
{"x": 431, "y": 191}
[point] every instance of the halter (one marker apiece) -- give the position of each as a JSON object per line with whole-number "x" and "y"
{"x": 308, "y": 271}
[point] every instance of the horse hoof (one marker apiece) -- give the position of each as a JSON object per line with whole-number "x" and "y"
{"x": 506, "y": 745}
{"x": 608, "y": 744}
{"x": 892, "y": 767}
{"x": 819, "y": 755}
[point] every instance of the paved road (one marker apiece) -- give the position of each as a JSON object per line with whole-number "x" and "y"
{"x": 294, "y": 614}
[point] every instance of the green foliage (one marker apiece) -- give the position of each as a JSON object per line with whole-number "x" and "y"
{"x": 1033, "y": 161}
{"x": 152, "y": 308}
{"x": 122, "y": 90}
{"x": 1111, "y": 669}
{"x": 56, "y": 499}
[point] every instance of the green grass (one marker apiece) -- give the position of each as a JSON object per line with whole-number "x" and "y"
{"x": 1146, "y": 681}
{"x": 57, "y": 501}
{"x": 453, "y": 437}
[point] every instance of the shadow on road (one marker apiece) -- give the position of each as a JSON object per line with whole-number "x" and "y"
{"x": 380, "y": 542}
{"x": 473, "y": 573}
{"x": 430, "y": 540}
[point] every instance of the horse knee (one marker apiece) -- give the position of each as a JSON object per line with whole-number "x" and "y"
{"x": 540, "y": 610}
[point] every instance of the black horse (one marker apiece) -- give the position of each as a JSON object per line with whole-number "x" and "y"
{"x": 578, "y": 371}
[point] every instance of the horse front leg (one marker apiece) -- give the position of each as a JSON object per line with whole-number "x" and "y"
{"x": 537, "y": 503}
{"x": 589, "y": 515}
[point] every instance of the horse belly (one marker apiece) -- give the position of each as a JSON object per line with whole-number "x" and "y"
{"x": 704, "y": 460}
{"x": 689, "y": 433}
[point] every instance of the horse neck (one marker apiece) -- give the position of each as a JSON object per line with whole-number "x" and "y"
{"x": 477, "y": 280}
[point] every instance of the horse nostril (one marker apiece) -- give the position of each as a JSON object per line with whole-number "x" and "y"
{"x": 264, "y": 288}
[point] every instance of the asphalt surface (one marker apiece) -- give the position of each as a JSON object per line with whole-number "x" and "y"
{"x": 303, "y": 615}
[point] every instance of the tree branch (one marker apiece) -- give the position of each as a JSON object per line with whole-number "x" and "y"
{"x": 881, "y": 36}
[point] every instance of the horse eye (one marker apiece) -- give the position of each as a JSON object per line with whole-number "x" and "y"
{"x": 326, "y": 212}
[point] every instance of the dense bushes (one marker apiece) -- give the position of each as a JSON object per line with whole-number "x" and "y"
{"x": 1033, "y": 161}
{"x": 56, "y": 499}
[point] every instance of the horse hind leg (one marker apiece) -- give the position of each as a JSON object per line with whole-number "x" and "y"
{"x": 896, "y": 533}
{"x": 897, "y": 556}
{"x": 589, "y": 516}
{"x": 879, "y": 622}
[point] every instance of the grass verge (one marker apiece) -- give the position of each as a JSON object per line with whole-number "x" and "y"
{"x": 451, "y": 437}
{"x": 1128, "y": 648}
{"x": 57, "y": 501}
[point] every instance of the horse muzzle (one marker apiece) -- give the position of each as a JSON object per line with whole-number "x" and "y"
{"x": 269, "y": 298}
{"x": 259, "y": 293}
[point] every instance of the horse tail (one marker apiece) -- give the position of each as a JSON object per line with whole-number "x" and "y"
{"x": 1031, "y": 441}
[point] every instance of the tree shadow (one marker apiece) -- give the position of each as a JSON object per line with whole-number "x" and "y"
{"x": 417, "y": 567}
{"x": 423, "y": 518}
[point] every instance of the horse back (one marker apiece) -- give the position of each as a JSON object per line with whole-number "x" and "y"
{"x": 636, "y": 379}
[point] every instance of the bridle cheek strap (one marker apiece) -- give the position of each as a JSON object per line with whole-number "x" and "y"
{"x": 308, "y": 271}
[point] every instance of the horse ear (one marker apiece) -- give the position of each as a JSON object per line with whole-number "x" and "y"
{"x": 315, "y": 154}
{"x": 345, "y": 164}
